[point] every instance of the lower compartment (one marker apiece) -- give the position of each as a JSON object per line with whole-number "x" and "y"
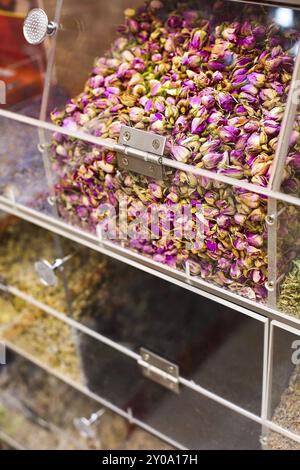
{"x": 189, "y": 418}
{"x": 38, "y": 411}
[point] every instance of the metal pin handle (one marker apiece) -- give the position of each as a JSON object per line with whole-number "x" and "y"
{"x": 37, "y": 27}
{"x": 46, "y": 271}
{"x": 85, "y": 425}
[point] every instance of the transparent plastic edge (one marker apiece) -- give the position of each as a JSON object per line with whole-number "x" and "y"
{"x": 285, "y": 131}
{"x": 268, "y": 424}
{"x": 112, "y": 145}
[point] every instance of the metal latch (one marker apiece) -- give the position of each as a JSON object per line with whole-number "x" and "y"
{"x": 159, "y": 370}
{"x": 141, "y": 152}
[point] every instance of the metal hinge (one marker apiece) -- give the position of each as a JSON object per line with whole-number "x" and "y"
{"x": 141, "y": 152}
{"x": 159, "y": 370}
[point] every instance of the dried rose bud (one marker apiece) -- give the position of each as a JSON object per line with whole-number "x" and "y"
{"x": 210, "y": 213}
{"x": 294, "y": 160}
{"x": 249, "y": 89}
{"x": 181, "y": 154}
{"x": 242, "y": 142}
{"x": 253, "y": 143}
{"x": 216, "y": 65}
{"x": 237, "y": 157}
{"x": 235, "y": 270}
{"x": 294, "y": 138}
{"x": 211, "y": 245}
{"x": 217, "y": 118}
{"x": 210, "y": 145}
{"x": 198, "y": 39}
{"x": 256, "y": 79}
{"x": 240, "y": 219}
{"x": 226, "y": 101}
{"x": 223, "y": 221}
{"x": 271, "y": 127}
{"x": 136, "y": 114}
{"x": 240, "y": 110}
{"x": 208, "y": 100}
{"x": 196, "y": 101}
{"x": 232, "y": 172}
{"x": 155, "y": 190}
{"x": 229, "y": 134}
{"x": 257, "y": 276}
{"x": 61, "y": 150}
{"x": 249, "y": 199}
{"x": 224, "y": 264}
{"x": 217, "y": 76}
{"x": 291, "y": 185}
{"x": 239, "y": 81}
{"x": 257, "y": 215}
{"x": 254, "y": 239}
{"x": 198, "y": 126}
{"x": 211, "y": 160}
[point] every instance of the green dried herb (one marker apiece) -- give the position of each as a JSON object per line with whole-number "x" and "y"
{"x": 287, "y": 416}
{"x": 49, "y": 340}
{"x": 289, "y": 299}
{"x": 83, "y": 272}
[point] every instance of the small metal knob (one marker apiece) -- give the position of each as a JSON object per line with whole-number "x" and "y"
{"x": 84, "y": 425}
{"x": 37, "y": 26}
{"x": 270, "y": 286}
{"x": 46, "y": 270}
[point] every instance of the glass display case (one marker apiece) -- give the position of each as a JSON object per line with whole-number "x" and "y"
{"x": 167, "y": 131}
{"x": 136, "y": 352}
{"x": 149, "y": 173}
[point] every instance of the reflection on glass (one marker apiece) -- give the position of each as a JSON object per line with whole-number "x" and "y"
{"x": 284, "y": 17}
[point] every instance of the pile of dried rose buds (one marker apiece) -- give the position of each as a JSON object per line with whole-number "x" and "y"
{"x": 217, "y": 90}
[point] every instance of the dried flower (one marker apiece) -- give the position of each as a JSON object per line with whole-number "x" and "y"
{"x": 217, "y": 90}
{"x": 180, "y": 153}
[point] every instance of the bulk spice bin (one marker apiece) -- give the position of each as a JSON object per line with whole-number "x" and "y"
{"x": 213, "y": 84}
{"x": 41, "y": 409}
{"x": 100, "y": 347}
{"x": 186, "y": 104}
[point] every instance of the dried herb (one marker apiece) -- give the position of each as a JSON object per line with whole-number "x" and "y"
{"x": 287, "y": 415}
{"x": 217, "y": 89}
{"x": 289, "y": 298}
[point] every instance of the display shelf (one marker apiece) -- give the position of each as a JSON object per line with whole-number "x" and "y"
{"x": 154, "y": 423}
{"x": 63, "y": 148}
{"x": 98, "y": 364}
{"x": 265, "y": 424}
{"x": 184, "y": 104}
{"x": 105, "y": 349}
{"x": 115, "y": 342}
{"x": 123, "y": 339}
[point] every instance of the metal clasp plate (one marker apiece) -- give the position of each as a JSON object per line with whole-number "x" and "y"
{"x": 159, "y": 370}
{"x": 141, "y": 152}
